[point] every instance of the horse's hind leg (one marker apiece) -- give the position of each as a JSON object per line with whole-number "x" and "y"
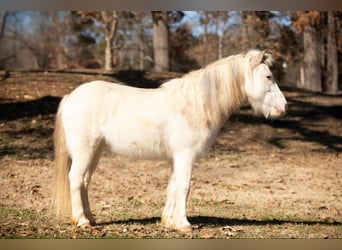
{"x": 83, "y": 165}
{"x": 87, "y": 179}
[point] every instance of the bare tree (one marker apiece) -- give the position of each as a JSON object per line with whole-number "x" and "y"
{"x": 110, "y": 22}
{"x": 312, "y": 62}
{"x": 248, "y": 18}
{"x": 60, "y": 33}
{"x": 3, "y": 17}
{"x": 307, "y": 24}
{"x": 160, "y": 41}
{"x": 43, "y": 46}
{"x": 220, "y": 19}
{"x": 332, "y": 62}
{"x": 205, "y": 19}
{"x": 256, "y": 30}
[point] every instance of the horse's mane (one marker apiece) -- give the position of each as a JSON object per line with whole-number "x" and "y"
{"x": 217, "y": 89}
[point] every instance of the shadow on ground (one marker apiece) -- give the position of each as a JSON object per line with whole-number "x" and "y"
{"x": 212, "y": 221}
{"x": 40, "y": 107}
{"x": 300, "y": 123}
{"x": 46, "y": 105}
{"x": 137, "y": 78}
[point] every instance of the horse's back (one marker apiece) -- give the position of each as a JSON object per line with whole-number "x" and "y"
{"x": 95, "y": 90}
{"x": 126, "y": 118}
{"x": 95, "y": 96}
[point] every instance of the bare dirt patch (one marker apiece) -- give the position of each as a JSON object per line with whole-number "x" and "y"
{"x": 262, "y": 179}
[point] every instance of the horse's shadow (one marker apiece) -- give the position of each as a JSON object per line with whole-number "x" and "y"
{"x": 212, "y": 221}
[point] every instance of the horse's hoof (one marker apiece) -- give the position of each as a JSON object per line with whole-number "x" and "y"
{"x": 185, "y": 229}
{"x": 73, "y": 222}
{"x": 84, "y": 225}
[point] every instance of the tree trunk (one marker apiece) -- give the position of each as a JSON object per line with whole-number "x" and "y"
{"x": 219, "y": 19}
{"x": 220, "y": 46}
{"x": 244, "y": 32}
{"x": 301, "y": 80}
{"x": 205, "y": 37}
{"x": 140, "y": 39}
{"x": 110, "y": 21}
{"x": 160, "y": 41}
{"x": 108, "y": 54}
{"x": 3, "y": 19}
{"x": 332, "y": 63}
{"x": 59, "y": 34}
{"x": 312, "y": 62}
{"x": 247, "y": 29}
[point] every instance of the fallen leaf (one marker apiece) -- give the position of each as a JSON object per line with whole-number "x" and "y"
{"x": 207, "y": 235}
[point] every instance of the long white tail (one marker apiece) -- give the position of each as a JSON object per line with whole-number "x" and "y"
{"x": 62, "y": 201}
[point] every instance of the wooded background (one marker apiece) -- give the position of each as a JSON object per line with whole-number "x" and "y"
{"x": 307, "y": 45}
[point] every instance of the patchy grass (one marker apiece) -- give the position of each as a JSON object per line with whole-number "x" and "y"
{"x": 279, "y": 179}
{"x": 21, "y": 223}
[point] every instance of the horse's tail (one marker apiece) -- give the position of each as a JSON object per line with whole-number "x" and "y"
{"x": 62, "y": 203}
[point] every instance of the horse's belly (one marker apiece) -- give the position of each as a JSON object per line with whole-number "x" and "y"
{"x": 141, "y": 141}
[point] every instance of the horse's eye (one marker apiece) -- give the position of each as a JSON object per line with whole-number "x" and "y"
{"x": 269, "y": 77}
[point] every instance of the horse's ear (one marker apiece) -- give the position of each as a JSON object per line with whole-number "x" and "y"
{"x": 257, "y": 58}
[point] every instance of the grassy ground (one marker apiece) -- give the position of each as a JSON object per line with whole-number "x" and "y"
{"x": 262, "y": 179}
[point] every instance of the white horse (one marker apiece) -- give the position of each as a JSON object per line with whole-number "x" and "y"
{"x": 178, "y": 121}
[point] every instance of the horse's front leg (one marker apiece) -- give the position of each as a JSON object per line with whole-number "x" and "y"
{"x": 174, "y": 214}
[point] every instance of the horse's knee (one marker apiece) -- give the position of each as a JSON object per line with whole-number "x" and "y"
{"x": 76, "y": 183}
{"x": 77, "y": 175}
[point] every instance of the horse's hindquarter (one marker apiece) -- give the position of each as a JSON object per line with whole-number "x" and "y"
{"x": 81, "y": 112}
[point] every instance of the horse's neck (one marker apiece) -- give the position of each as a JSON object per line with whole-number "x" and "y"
{"x": 229, "y": 94}
{"x": 214, "y": 92}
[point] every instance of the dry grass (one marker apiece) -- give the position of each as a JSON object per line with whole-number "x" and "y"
{"x": 262, "y": 179}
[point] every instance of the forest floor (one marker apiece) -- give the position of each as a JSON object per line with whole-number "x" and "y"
{"x": 262, "y": 179}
